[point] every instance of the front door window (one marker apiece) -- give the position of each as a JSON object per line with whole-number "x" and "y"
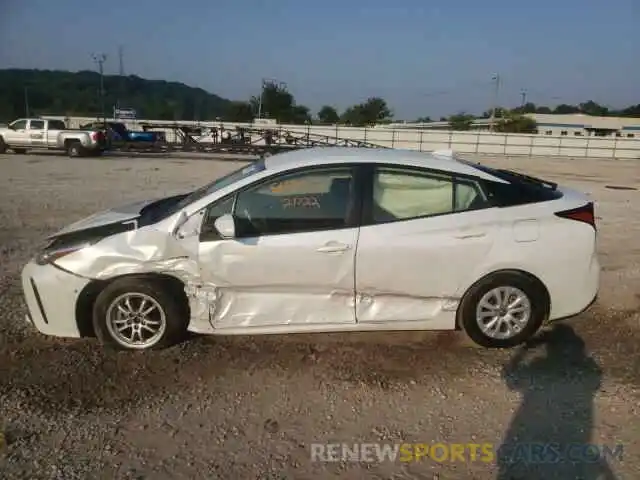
{"x": 299, "y": 202}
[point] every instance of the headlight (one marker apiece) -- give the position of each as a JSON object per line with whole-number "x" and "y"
{"x": 53, "y": 252}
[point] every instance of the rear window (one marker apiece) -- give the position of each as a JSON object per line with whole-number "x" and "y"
{"x": 521, "y": 189}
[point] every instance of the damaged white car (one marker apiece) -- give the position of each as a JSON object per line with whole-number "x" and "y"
{"x": 325, "y": 240}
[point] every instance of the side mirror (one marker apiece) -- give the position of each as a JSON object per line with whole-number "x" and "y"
{"x": 226, "y": 226}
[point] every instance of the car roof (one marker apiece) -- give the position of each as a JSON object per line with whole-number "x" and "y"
{"x": 443, "y": 160}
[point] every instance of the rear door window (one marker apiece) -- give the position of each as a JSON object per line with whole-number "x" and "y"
{"x": 57, "y": 125}
{"x": 409, "y": 193}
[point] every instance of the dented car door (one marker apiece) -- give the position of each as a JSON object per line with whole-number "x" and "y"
{"x": 292, "y": 259}
{"x": 425, "y": 236}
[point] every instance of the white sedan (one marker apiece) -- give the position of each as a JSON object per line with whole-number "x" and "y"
{"x": 325, "y": 240}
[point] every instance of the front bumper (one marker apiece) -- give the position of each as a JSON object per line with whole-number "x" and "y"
{"x": 51, "y": 295}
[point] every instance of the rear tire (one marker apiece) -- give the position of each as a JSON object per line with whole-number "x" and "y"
{"x": 74, "y": 149}
{"x": 118, "y": 314}
{"x": 490, "y": 323}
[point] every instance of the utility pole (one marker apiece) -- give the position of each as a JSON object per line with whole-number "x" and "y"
{"x": 99, "y": 59}
{"x": 496, "y": 79}
{"x": 260, "y": 98}
{"x": 121, "y": 75}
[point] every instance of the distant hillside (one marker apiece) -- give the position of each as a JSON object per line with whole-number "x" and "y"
{"x": 67, "y": 93}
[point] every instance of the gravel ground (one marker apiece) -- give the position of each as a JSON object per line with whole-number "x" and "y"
{"x": 250, "y": 407}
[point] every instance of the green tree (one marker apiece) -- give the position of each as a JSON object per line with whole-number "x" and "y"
{"x": 632, "y": 111}
{"x": 300, "y": 114}
{"x": 564, "y": 109}
{"x": 278, "y": 103}
{"x": 592, "y": 108}
{"x": 461, "y": 121}
{"x": 526, "y": 108}
{"x": 240, "y": 112}
{"x": 328, "y": 115}
{"x": 514, "y": 122}
{"x": 374, "y": 111}
{"x": 51, "y": 92}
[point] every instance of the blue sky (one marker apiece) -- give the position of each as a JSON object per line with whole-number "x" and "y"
{"x": 425, "y": 57}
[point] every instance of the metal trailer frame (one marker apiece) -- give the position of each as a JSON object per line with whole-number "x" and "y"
{"x": 244, "y": 140}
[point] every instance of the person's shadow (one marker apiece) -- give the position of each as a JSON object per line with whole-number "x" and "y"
{"x": 555, "y": 418}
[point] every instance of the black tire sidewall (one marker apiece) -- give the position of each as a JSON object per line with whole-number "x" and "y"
{"x": 467, "y": 309}
{"x": 74, "y": 150}
{"x": 176, "y": 312}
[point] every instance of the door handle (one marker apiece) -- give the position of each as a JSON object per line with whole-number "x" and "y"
{"x": 471, "y": 235}
{"x": 334, "y": 248}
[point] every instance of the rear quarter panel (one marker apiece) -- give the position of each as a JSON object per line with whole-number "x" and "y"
{"x": 561, "y": 253}
{"x": 83, "y": 137}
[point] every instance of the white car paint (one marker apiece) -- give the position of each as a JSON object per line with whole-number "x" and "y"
{"x": 402, "y": 275}
{"x": 117, "y": 214}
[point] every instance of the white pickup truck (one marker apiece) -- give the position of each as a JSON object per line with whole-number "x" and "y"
{"x": 40, "y": 134}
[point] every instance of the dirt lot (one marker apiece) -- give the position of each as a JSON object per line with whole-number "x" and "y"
{"x": 250, "y": 407}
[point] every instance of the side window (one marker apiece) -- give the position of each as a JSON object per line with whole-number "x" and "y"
{"x": 405, "y": 194}
{"x": 215, "y": 210}
{"x": 19, "y": 125}
{"x": 36, "y": 125}
{"x": 514, "y": 194}
{"x": 298, "y": 202}
{"x": 57, "y": 125}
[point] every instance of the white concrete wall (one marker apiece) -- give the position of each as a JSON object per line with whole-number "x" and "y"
{"x": 425, "y": 140}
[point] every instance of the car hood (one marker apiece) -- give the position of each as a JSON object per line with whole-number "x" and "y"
{"x": 115, "y": 215}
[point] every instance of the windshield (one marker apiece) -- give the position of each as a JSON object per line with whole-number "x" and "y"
{"x": 220, "y": 183}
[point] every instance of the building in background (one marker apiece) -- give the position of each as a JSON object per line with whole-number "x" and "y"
{"x": 579, "y": 125}
{"x": 574, "y": 125}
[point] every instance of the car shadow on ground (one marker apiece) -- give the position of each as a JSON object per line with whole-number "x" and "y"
{"x": 549, "y": 434}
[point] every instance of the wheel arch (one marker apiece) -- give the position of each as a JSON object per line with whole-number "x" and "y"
{"x": 533, "y": 278}
{"x": 87, "y": 297}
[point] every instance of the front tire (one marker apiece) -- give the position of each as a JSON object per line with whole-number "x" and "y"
{"x": 139, "y": 314}
{"x": 503, "y": 310}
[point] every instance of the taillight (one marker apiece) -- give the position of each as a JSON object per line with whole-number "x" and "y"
{"x": 584, "y": 214}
